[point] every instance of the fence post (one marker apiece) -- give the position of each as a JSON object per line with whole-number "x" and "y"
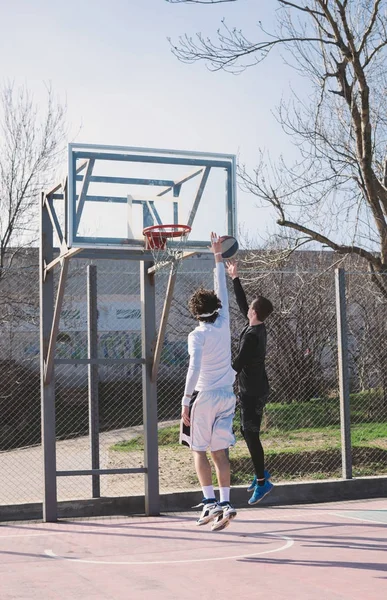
{"x": 149, "y": 390}
{"x": 342, "y": 350}
{"x": 92, "y": 347}
{"x": 47, "y": 387}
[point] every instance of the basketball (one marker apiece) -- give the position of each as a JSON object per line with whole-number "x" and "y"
{"x": 229, "y": 246}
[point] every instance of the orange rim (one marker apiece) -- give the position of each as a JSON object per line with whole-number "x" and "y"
{"x": 157, "y": 235}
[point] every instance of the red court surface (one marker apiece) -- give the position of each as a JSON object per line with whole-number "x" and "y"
{"x": 325, "y": 551}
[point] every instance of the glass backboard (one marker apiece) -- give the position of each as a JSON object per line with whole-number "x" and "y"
{"x": 115, "y": 192}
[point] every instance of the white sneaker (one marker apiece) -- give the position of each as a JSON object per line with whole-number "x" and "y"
{"x": 223, "y": 520}
{"x": 210, "y": 511}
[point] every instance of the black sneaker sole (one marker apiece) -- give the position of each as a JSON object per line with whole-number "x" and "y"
{"x": 208, "y": 520}
{"x": 225, "y": 523}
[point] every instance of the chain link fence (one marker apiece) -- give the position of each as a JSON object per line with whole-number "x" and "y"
{"x": 367, "y": 349}
{"x": 119, "y": 394}
{"x": 301, "y": 427}
{"x": 20, "y": 450}
{"x": 301, "y": 432}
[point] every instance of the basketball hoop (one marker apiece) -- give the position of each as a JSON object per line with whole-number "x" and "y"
{"x": 167, "y": 243}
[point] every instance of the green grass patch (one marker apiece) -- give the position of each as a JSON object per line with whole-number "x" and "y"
{"x": 167, "y": 436}
{"x": 301, "y": 426}
{"x": 367, "y": 406}
{"x": 292, "y": 454}
{"x": 277, "y": 441}
{"x": 368, "y": 432}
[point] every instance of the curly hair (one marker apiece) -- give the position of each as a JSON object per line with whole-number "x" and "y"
{"x": 204, "y": 301}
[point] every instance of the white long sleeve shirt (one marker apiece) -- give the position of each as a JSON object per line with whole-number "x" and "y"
{"x": 209, "y": 347}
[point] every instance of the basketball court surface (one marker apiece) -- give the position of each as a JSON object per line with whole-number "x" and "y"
{"x": 327, "y": 551}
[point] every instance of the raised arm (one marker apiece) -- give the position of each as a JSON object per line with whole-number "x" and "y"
{"x": 220, "y": 284}
{"x": 239, "y": 292}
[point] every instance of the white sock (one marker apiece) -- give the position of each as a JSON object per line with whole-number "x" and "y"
{"x": 224, "y": 494}
{"x": 208, "y": 491}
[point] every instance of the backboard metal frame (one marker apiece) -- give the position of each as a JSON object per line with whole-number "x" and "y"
{"x": 82, "y": 158}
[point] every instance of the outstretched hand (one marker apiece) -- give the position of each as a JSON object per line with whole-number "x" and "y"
{"x": 216, "y": 245}
{"x": 232, "y": 268}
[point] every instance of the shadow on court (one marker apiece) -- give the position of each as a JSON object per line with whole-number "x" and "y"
{"x": 337, "y": 551}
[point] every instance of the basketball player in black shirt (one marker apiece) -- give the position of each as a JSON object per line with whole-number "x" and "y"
{"x": 253, "y": 382}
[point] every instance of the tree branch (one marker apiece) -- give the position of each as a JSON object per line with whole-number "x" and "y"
{"x": 370, "y": 26}
{"x": 302, "y": 8}
{"x": 374, "y": 52}
{"x": 340, "y": 248}
{"x": 232, "y": 46}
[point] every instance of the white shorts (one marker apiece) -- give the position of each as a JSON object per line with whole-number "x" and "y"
{"x": 211, "y": 416}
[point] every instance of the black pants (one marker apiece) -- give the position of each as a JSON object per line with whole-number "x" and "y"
{"x": 251, "y": 419}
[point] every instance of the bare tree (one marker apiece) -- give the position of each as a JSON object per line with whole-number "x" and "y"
{"x": 31, "y": 145}
{"x": 335, "y": 192}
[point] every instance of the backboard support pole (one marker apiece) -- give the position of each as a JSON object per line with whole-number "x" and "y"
{"x": 163, "y": 323}
{"x": 47, "y": 387}
{"x": 149, "y": 390}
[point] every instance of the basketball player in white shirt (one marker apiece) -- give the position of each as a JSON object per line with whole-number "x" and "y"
{"x": 208, "y": 404}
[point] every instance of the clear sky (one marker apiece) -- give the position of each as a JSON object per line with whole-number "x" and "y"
{"x": 112, "y": 62}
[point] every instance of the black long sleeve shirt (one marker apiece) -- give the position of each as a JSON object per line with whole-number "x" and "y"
{"x": 250, "y": 360}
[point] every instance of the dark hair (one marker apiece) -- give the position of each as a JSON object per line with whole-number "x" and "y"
{"x": 262, "y": 308}
{"x": 204, "y": 301}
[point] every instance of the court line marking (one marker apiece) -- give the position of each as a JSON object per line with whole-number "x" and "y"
{"x": 360, "y": 519}
{"x": 26, "y": 535}
{"x": 320, "y": 513}
{"x": 288, "y": 543}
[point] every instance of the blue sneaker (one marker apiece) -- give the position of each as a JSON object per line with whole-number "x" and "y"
{"x": 254, "y": 482}
{"x": 260, "y": 491}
